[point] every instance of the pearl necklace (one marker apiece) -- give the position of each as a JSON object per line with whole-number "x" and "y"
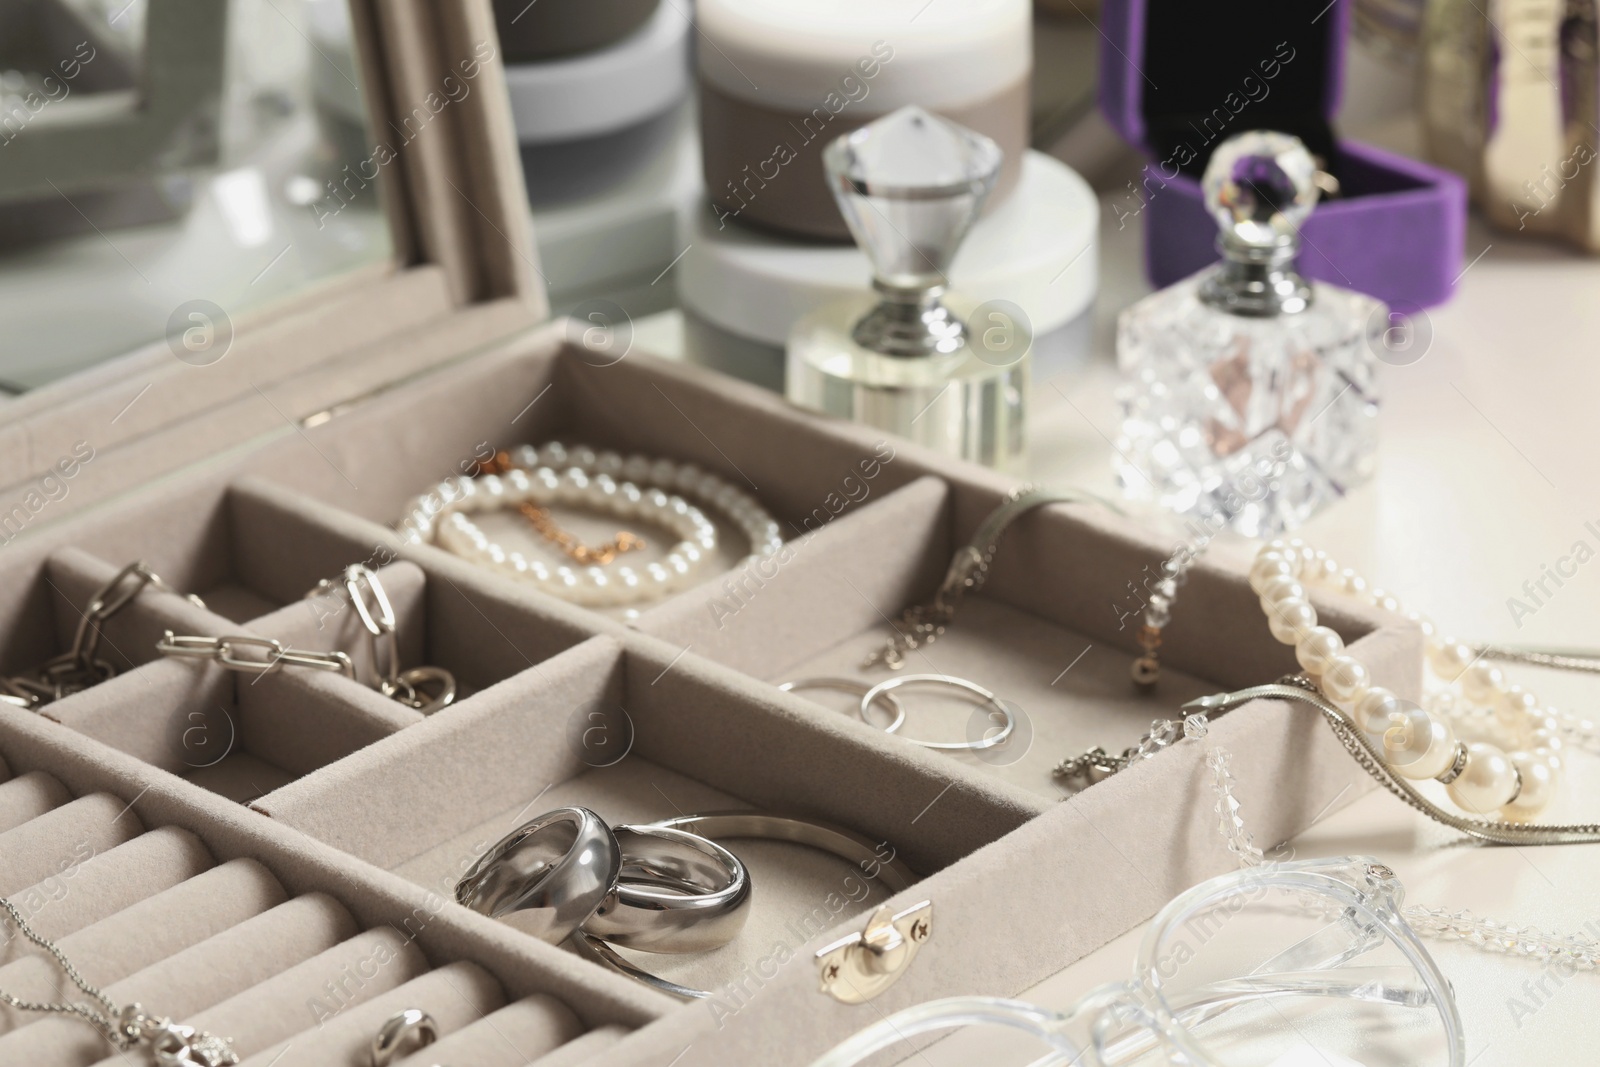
{"x": 1479, "y": 776}
{"x": 554, "y": 474}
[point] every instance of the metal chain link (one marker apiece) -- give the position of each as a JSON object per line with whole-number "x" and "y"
{"x": 105, "y": 1022}
{"x": 172, "y": 1044}
{"x": 79, "y": 667}
{"x": 225, "y": 652}
{"x": 424, "y": 689}
{"x": 1299, "y": 688}
{"x": 923, "y": 624}
{"x": 1556, "y": 659}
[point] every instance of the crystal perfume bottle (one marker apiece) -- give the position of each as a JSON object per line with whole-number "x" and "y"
{"x": 1248, "y": 394}
{"x": 935, "y": 367}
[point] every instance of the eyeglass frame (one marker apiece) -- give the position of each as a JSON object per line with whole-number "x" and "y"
{"x": 1365, "y": 888}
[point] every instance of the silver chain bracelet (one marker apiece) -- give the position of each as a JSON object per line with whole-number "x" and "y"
{"x": 923, "y": 624}
{"x": 230, "y": 652}
{"x": 80, "y": 666}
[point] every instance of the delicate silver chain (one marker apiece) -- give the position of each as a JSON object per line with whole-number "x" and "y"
{"x": 1557, "y": 659}
{"x": 172, "y": 1044}
{"x": 1487, "y": 935}
{"x": 923, "y": 624}
{"x": 104, "y": 1022}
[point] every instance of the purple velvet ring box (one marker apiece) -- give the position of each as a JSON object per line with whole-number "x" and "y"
{"x": 1177, "y": 78}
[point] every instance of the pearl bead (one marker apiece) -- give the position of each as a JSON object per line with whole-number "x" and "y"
{"x": 1551, "y": 757}
{"x": 1345, "y": 680}
{"x": 1376, "y": 708}
{"x": 1385, "y": 601}
{"x": 1281, "y": 588}
{"x": 1318, "y": 646}
{"x": 1425, "y": 624}
{"x": 1546, "y": 733}
{"x": 1279, "y": 545}
{"x": 1268, "y": 568}
{"x": 1352, "y": 583}
{"x": 1517, "y": 708}
{"x": 1324, "y": 569}
{"x": 1540, "y": 783}
{"x": 1449, "y": 658}
{"x": 1420, "y": 746}
{"x": 1483, "y": 684}
{"x": 1486, "y": 783}
{"x": 1288, "y": 619}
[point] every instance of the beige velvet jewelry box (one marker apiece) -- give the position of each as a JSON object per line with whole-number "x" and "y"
{"x": 249, "y": 480}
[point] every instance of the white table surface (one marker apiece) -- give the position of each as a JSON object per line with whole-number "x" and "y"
{"x": 1487, "y": 473}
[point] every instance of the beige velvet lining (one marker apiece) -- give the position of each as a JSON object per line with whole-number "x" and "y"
{"x": 872, "y": 526}
{"x": 143, "y": 934}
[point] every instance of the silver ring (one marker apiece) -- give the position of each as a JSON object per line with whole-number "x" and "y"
{"x": 547, "y": 876}
{"x": 412, "y": 1023}
{"x": 955, "y": 683}
{"x": 413, "y": 688}
{"x": 860, "y": 689}
{"x": 678, "y": 892}
{"x": 836, "y": 840}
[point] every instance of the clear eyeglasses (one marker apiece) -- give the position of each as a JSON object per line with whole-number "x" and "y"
{"x": 1300, "y": 964}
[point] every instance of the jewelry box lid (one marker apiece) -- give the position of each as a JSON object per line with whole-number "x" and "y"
{"x": 1165, "y": 63}
{"x": 410, "y": 97}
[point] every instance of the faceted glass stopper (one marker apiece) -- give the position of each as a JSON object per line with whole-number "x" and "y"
{"x": 1260, "y": 186}
{"x": 909, "y": 186}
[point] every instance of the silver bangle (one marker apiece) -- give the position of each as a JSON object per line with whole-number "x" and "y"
{"x": 547, "y": 876}
{"x": 953, "y": 682}
{"x": 678, "y": 892}
{"x": 855, "y": 688}
{"x": 412, "y": 1023}
{"x": 768, "y": 826}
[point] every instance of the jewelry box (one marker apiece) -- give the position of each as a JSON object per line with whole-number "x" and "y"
{"x": 1178, "y": 79}
{"x": 249, "y": 480}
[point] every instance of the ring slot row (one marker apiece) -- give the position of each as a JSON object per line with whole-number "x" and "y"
{"x": 282, "y": 968}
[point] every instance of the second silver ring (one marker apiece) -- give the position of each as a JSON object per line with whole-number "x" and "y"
{"x": 989, "y": 740}
{"x": 855, "y": 688}
{"x": 677, "y": 892}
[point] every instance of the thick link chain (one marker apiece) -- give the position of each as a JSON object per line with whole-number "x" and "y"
{"x": 229, "y": 652}
{"x": 80, "y": 667}
{"x": 424, "y": 689}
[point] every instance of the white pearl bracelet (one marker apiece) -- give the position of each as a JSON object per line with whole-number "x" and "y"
{"x": 758, "y": 527}
{"x": 441, "y": 517}
{"x": 593, "y": 585}
{"x": 1479, "y": 776}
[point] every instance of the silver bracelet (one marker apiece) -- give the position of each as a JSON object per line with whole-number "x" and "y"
{"x": 969, "y": 568}
{"x": 79, "y": 668}
{"x": 424, "y": 689}
{"x": 226, "y": 652}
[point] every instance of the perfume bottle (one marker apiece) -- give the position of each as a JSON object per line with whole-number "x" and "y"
{"x": 1248, "y": 394}
{"x": 938, "y": 368}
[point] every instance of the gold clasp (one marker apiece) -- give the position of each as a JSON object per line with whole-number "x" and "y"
{"x": 859, "y": 967}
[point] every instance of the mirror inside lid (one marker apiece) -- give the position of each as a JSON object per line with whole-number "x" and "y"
{"x": 167, "y": 166}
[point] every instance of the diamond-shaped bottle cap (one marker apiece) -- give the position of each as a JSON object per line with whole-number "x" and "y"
{"x": 1260, "y": 186}
{"x": 909, "y": 186}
